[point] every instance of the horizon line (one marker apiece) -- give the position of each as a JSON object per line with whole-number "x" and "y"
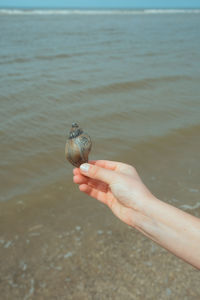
{"x": 99, "y": 8}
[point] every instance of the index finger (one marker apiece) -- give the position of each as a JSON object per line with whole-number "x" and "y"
{"x": 107, "y": 164}
{"x": 114, "y": 166}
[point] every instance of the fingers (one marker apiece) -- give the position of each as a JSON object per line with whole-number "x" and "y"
{"x": 111, "y": 165}
{"x": 114, "y": 166}
{"x": 80, "y": 179}
{"x": 101, "y": 163}
{"x": 98, "y": 185}
{"x": 93, "y": 192}
{"x": 76, "y": 171}
{"x": 109, "y": 200}
{"x": 98, "y": 173}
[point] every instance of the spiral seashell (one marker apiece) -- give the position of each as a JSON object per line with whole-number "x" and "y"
{"x": 78, "y": 146}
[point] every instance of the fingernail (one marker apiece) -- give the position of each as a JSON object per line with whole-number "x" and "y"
{"x": 85, "y": 167}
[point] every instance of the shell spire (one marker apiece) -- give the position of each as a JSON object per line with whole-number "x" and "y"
{"x": 75, "y": 131}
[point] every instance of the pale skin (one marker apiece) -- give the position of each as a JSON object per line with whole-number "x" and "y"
{"x": 119, "y": 186}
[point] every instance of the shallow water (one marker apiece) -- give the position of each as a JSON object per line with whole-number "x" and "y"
{"x": 132, "y": 82}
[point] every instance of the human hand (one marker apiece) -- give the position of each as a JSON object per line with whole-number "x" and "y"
{"x": 121, "y": 189}
{"x": 115, "y": 184}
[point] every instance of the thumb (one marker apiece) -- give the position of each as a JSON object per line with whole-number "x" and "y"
{"x": 96, "y": 172}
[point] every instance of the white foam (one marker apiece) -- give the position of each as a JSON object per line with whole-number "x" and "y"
{"x": 96, "y": 12}
{"x": 68, "y": 254}
{"x": 191, "y": 207}
{"x": 8, "y": 244}
{"x": 171, "y": 11}
{"x": 31, "y": 290}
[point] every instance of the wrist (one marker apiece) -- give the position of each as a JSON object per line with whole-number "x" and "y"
{"x": 143, "y": 211}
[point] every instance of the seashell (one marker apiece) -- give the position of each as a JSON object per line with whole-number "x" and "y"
{"x": 78, "y": 146}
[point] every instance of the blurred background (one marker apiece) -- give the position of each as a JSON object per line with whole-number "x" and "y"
{"x": 128, "y": 72}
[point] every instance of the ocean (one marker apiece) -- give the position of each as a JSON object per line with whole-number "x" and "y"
{"x": 131, "y": 79}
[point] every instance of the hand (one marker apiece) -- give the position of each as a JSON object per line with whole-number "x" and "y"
{"x": 115, "y": 184}
{"x": 120, "y": 188}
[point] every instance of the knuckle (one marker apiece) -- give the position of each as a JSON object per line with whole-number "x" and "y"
{"x": 130, "y": 170}
{"x": 133, "y": 169}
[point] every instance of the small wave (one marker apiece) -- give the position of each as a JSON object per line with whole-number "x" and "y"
{"x": 58, "y": 56}
{"x": 138, "y": 84}
{"x": 96, "y": 12}
{"x": 190, "y": 207}
{"x": 172, "y": 11}
{"x": 16, "y": 60}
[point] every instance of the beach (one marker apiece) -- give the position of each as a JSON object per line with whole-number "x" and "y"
{"x": 131, "y": 80}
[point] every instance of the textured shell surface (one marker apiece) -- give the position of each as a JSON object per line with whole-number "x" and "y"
{"x": 78, "y": 146}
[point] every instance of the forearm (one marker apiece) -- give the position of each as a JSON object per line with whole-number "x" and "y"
{"x": 172, "y": 228}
